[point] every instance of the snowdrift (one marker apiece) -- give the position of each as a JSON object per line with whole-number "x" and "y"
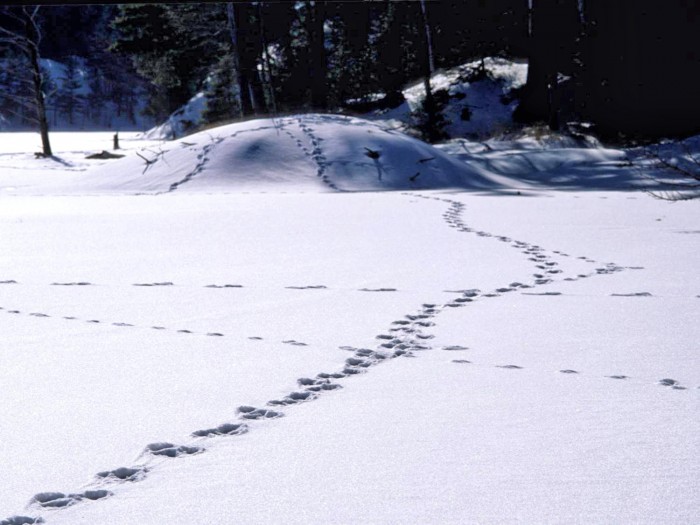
{"x": 298, "y": 153}
{"x": 478, "y": 106}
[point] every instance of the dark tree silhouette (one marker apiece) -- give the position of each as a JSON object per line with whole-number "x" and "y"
{"x": 20, "y": 31}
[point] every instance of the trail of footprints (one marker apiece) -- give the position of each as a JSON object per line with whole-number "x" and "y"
{"x": 674, "y": 384}
{"x": 168, "y": 284}
{"x": 404, "y": 338}
{"x": 107, "y": 323}
{"x": 310, "y": 388}
{"x": 546, "y": 273}
{"x": 315, "y": 153}
{"x": 204, "y": 156}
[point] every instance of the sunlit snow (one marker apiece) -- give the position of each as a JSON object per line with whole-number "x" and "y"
{"x": 314, "y": 319}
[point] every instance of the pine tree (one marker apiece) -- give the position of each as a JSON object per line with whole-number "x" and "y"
{"x": 221, "y": 93}
{"x": 70, "y": 101}
{"x": 171, "y": 45}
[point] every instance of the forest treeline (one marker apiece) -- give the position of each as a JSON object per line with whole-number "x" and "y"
{"x": 628, "y": 66}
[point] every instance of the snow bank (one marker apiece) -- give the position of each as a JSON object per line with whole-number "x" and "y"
{"x": 478, "y": 106}
{"x": 182, "y": 121}
{"x": 302, "y": 153}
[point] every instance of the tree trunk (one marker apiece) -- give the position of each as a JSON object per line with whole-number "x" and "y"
{"x": 243, "y": 87}
{"x": 429, "y": 105}
{"x": 317, "y": 60}
{"x": 554, "y": 26}
{"x": 33, "y": 37}
{"x": 266, "y": 62}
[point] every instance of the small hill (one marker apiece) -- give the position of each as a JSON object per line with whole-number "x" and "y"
{"x": 298, "y": 153}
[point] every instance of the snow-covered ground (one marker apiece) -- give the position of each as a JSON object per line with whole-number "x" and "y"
{"x": 477, "y": 106}
{"x": 509, "y": 336}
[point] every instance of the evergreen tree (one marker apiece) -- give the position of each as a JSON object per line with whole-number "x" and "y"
{"x": 69, "y": 100}
{"x": 221, "y": 93}
{"x": 171, "y": 46}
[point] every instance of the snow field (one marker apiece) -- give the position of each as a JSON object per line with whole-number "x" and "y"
{"x": 461, "y": 433}
{"x": 140, "y": 307}
{"x": 536, "y": 346}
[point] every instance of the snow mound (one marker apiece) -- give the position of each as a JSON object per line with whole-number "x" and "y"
{"x": 182, "y": 121}
{"x": 302, "y": 153}
{"x": 478, "y": 98}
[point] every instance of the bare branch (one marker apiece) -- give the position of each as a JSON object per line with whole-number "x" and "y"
{"x": 149, "y": 162}
{"x": 695, "y": 160}
{"x": 683, "y": 182}
{"x": 35, "y": 27}
{"x": 11, "y": 34}
{"x": 24, "y": 99}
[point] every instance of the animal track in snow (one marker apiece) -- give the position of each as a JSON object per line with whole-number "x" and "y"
{"x": 58, "y": 500}
{"x": 318, "y": 384}
{"x": 172, "y": 451}
{"x": 52, "y": 500}
{"x": 294, "y": 343}
{"x": 119, "y": 324}
{"x": 315, "y": 153}
{"x": 124, "y": 474}
{"x": 227, "y": 429}
{"x": 674, "y": 384}
{"x": 293, "y": 398}
{"x": 202, "y": 160}
{"x": 249, "y": 412}
{"x": 21, "y": 520}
